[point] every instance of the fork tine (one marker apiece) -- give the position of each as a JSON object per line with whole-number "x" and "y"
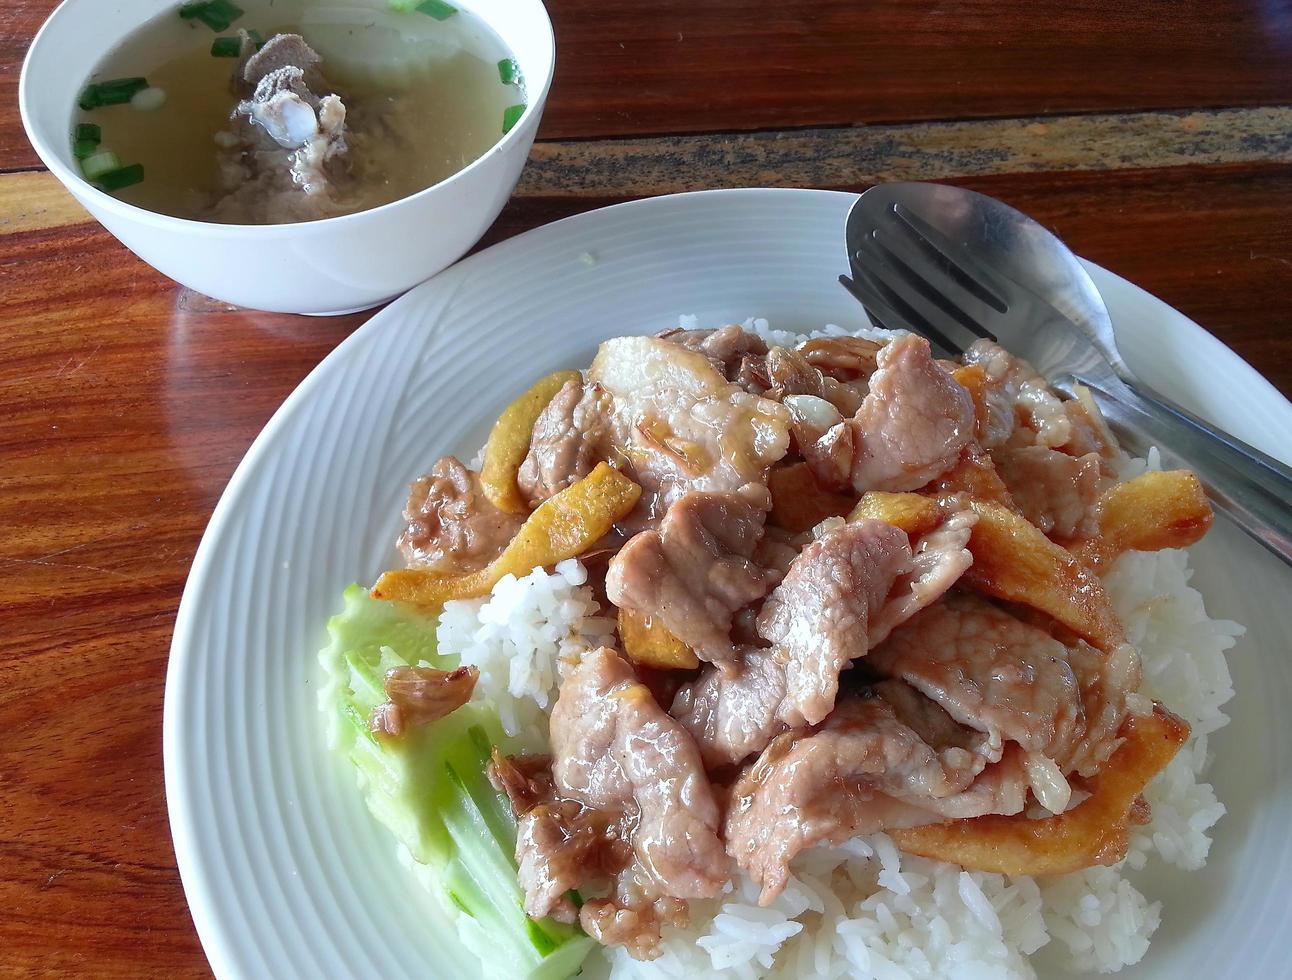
{"x": 890, "y": 311}
{"x": 877, "y": 311}
{"x": 969, "y": 273}
{"x": 913, "y": 275}
{"x": 921, "y": 316}
{"x": 905, "y": 313}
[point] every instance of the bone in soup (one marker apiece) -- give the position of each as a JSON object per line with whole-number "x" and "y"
{"x": 293, "y": 111}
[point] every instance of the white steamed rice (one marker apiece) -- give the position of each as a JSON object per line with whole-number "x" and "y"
{"x": 862, "y": 909}
{"x": 517, "y": 636}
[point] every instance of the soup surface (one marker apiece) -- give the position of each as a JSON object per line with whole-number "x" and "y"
{"x": 425, "y": 92}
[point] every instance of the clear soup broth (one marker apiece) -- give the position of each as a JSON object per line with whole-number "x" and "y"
{"x": 426, "y": 92}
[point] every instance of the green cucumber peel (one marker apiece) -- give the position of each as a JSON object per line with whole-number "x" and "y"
{"x": 430, "y": 788}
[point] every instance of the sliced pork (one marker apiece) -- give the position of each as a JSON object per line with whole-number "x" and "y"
{"x": 613, "y": 747}
{"x": 735, "y": 713}
{"x": 1023, "y": 410}
{"x": 866, "y": 769}
{"x": 727, "y": 347}
{"x": 628, "y": 801}
{"x": 819, "y": 616}
{"x": 681, "y": 425}
{"x": 571, "y": 436}
{"x": 1108, "y": 682}
{"x": 991, "y": 672}
{"x": 695, "y": 571}
{"x": 940, "y": 558}
{"x": 1055, "y": 491}
{"x": 450, "y": 525}
{"x": 910, "y": 428}
{"x": 1014, "y": 682}
{"x": 560, "y": 842}
{"x": 845, "y": 592}
{"x": 957, "y": 706}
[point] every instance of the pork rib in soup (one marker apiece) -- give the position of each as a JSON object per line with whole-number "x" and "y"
{"x": 292, "y": 111}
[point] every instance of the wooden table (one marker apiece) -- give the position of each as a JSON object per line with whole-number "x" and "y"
{"x": 1155, "y": 137}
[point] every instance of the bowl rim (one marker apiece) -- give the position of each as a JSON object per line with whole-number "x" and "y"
{"x": 76, "y": 184}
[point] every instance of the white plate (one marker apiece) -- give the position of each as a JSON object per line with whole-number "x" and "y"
{"x": 285, "y": 872}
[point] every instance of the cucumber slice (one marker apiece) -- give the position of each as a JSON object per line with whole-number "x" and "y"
{"x": 430, "y": 789}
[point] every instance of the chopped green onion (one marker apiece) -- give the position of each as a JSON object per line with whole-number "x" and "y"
{"x": 226, "y": 47}
{"x": 256, "y": 39}
{"x": 202, "y": 11}
{"x": 118, "y": 91}
{"x": 215, "y": 14}
{"x": 213, "y": 20}
{"x": 86, "y": 140}
{"x": 97, "y": 164}
{"x": 228, "y": 9}
{"x": 511, "y": 115}
{"x": 508, "y": 71}
{"x": 437, "y": 9}
{"x": 115, "y": 180}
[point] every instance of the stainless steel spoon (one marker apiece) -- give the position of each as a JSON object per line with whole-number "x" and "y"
{"x": 955, "y": 265}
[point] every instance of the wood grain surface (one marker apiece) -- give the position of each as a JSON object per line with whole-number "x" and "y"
{"x": 1153, "y": 137}
{"x": 671, "y": 66}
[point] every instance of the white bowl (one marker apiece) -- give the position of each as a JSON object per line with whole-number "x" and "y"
{"x": 330, "y": 266}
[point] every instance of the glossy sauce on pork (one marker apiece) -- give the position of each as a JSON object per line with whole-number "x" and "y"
{"x": 838, "y": 678}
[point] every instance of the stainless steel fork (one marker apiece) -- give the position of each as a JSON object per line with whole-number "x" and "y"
{"x": 955, "y": 266}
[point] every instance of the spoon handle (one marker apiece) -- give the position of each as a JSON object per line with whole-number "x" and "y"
{"x": 1254, "y": 490}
